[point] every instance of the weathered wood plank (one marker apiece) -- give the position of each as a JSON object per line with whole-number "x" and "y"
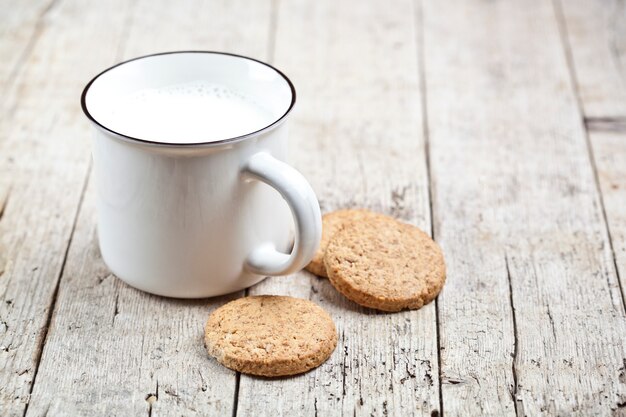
{"x": 45, "y": 161}
{"x": 220, "y": 25}
{"x": 531, "y": 318}
{"x": 595, "y": 33}
{"x": 596, "y": 39}
{"x": 357, "y": 136}
{"x": 21, "y": 24}
{"x": 113, "y": 350}
{"x": 19, "y": 31}
{"x": 609, "y": 150}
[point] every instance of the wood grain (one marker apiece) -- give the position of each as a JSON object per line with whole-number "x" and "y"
{"x": 113, "y": 350}
{"x": 45, "y": 161}
{"x": 532, "y": 320}
{"x": 357, "y": 137}
{"x": 609, "y": 150}
{"x": 116, "y": 351}
{"x": 20, "y": 30}
{"x": 595, "y": 33}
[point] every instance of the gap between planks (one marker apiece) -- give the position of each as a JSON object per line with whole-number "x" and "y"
{"x": 55, "y": 293}
{"x": 419, "y": 26}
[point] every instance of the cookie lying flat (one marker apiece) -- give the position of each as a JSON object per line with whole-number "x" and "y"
{"x": 384, "y": 264}
{"x": 332, "y": 223}
{"x": 270, "y": 335}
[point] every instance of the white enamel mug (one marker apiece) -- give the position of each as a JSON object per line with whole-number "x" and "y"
{"x": 199, "y": 219}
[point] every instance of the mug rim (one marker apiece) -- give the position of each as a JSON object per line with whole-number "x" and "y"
{"x": 275, "y": 123}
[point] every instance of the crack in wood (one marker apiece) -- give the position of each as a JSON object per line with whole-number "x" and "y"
{"x": 151, "y": 398}
{"x": 4, "y": 202}
{"x": 104, "y": 277}
{"x": 116, "y": 309}
{"x": 398, "y": 197}
{"x": 454, "y": 381}
{"x": 4, "y": 326}
{"x": 203, "y": 385}
{"x": 605, "y": 124}
{"x": 551, "y": 321}
{"x": 514, "y": 389}
{"x": 246, "y": 292}
{"x": 343, "y": 366}
{"x": 171, "y": 392}
{"x": 236, "y": 394}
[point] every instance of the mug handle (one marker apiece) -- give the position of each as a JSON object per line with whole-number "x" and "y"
{"x": 294, "y": 188}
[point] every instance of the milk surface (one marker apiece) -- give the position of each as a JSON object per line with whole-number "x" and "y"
{"x": 193, "y": 112}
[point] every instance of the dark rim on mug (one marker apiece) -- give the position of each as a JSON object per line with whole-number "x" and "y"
{"x": 190, "y": 144}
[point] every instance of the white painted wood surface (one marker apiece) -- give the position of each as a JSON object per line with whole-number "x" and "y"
{"x": 19, "y": 31}
{"x": 531, "y": 321}
{"x": 532, "y": 303}
{"x": 609, "y": 148}
{"x": 596, "y": 40}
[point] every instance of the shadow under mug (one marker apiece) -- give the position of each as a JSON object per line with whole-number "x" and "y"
{"x": 196, "y": 220}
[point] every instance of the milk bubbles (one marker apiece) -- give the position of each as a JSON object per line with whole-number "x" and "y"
{"x": 193, "y": 112}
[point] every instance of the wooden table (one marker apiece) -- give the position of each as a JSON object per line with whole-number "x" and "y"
{"x": 499, "y": 127}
